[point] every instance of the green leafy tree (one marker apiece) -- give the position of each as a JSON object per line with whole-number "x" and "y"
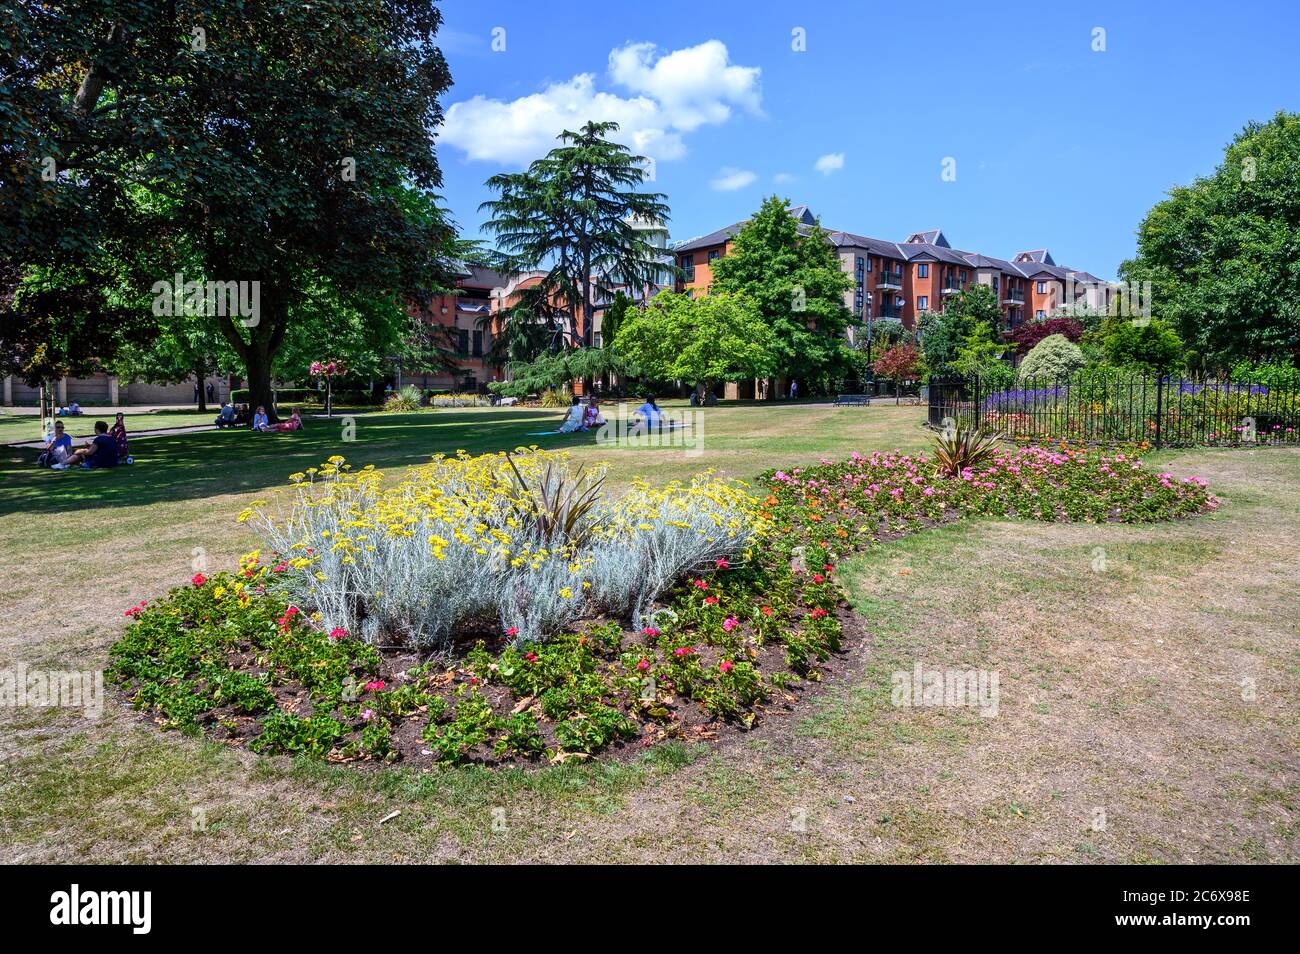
{"x": 1223, "y": 254}
{"x": 981, "y": 354}
{"x": 796, "y": 283}
{"x": 574, "y": 214}
{"x": 1053, "y": 357}
{"x": 290, "y": 157}
{"x": 1151, "y": 346}
{"x": 704, "y": 341}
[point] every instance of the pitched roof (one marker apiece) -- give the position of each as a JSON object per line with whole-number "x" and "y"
{"x": 930, "y": 237}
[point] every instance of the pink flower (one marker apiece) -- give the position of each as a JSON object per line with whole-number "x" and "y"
{"x": 512, "y": 631}
{"x": 700, "y": 585}
{"x": 649, "y": 631}
{"x": 818, "y": 613}
{"x": 726, "y": 665}
{"x": 375, "y": 685}
{"x": 642, "y": 665}
{"x": 279, "y": 568}
{"x": 198, "y": 579}
{"x": 368, "y": 714}
{"x": 338, "y": 632}
{"x": 684, "y": 651}
{"x": 710, "y": 601}
{"x": 730, "y": 623}
{"x": 722, "y": 564}
{"x": 531, "y": 657}
{"x": 818, "y": 578}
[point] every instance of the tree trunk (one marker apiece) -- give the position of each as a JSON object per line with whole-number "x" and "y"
{"x": 258, "y": 364}
{"x": 200, "y": 374}
{"x": 258, "y": 352}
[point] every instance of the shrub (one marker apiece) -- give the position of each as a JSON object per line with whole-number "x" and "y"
{"x": 555, "y": 397}
{"x": 408, "y": 398}
{"x": 962, "y": 449}
{"x": 1053, "y": 357}
{"x": 1150, "y": 345}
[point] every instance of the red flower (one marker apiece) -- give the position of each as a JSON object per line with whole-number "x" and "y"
{"x": 701, "y": 585}
{"x": 642, "y": 665}
{"x": 722, "y": 564}
{"x": 136, "y": 610}
{"x": 198, "y": 579}
{"x": 649, "y": 631}
{"x": 375, "y": 685}
{"x": 726, "y": 665}
{"x": 684, "y": 651}
{"x": 818, "y": 578}
{"x": 827, "y": 567}
{"x": 338, "y": 632}
{"x": 279, "y": 568}
{"x": 818, "y": 613}
{"x": 512, "y": 631}
{"x": 710, "y": 601}
{"x": 767, "y": 611}
{"x": 531, "y": 656}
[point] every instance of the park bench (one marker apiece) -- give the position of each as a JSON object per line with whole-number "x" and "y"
{"x": 859, "y": 400}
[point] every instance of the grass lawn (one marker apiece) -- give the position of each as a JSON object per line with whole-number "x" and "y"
{"x": 27, "y": 427}
{"x": 1122, "y": 688}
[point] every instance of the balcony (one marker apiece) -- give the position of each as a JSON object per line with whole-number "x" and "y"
{"x": 951, "y": 288}
{"x": 1014, "y": 296}
{"x": 890, "y": 280}
{"x": 895, "y": 313}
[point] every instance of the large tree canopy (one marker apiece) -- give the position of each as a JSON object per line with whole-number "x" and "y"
{"x": 578, "y": 215}
{"x": 702, "y": 341}
{"x": 292, "y": 141}
{"x": 1223, "y": 254}
{"x": 796, "y": 282}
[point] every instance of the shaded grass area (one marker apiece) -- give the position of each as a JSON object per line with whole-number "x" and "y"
{"x": 1120, "y": 689}
{"x": 27, "y": 427}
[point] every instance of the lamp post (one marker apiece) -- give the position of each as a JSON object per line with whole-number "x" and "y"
{"x": 869, "y": 328}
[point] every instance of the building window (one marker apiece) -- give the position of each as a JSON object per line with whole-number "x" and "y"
{"x": 597, "y": 340}
{"x": 923, "y": 271}
{"x": 923, "y": 303}
{"x": 478, "y": 344}
{"x": 1042, "y": 288}
{"x": 688, "y": 267}
{"x": 462, "y": 341}
{"x": 995, "y": 283}
{"x": 714, "y": 254}
{"x": 1040, "y": 314}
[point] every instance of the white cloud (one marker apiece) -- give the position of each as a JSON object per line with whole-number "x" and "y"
{"x": 782, "y": 177}
{"x": 729, "y": 179}
{"x": 831, "y": 162}
{"x": 672, "y": 94}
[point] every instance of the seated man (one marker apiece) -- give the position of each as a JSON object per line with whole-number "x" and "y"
{"x": 227, "y": 416}
{"x": 58, "y": 449}
{"x": 118, "y": 433}
{"x": 100, "y": 451}
{"x": 572, "y": 418}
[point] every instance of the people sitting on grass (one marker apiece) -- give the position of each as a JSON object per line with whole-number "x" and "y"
{"x": 227, "y": 416}
{"x": 573, "y": 418}
{"x": 650, "y": 413}
{"x": 118, "y": 433}
{"x": 260, "y": 421}
{"x": 100, "y": 451}
{"x": 592, "y": 416}
{"x": 57, "y": 449}
{"x": 294, "y": 423}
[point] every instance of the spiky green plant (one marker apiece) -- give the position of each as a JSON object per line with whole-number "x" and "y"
{"x": 960, "y": 447}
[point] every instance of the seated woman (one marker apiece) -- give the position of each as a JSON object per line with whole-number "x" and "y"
{"x": 650, "y": 412}
{"x": 118, "y": 433}
{"x": 260, "y": 422}
{"x": 58, "y": 449}
{"x": 573, "y": 418}
{"x": 293, "y": 424}
{"x": 592, "y": 416}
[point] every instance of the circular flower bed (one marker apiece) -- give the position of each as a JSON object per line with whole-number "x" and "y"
{"x": 498, "y": 609}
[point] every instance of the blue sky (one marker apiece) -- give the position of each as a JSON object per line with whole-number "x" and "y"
{"x": 1053, "y": 144}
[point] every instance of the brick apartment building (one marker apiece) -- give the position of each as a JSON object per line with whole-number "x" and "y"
{"x": 901, "y": 280}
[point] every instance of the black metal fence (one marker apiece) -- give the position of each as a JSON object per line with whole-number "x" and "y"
{"x": 1108, "y": 407}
